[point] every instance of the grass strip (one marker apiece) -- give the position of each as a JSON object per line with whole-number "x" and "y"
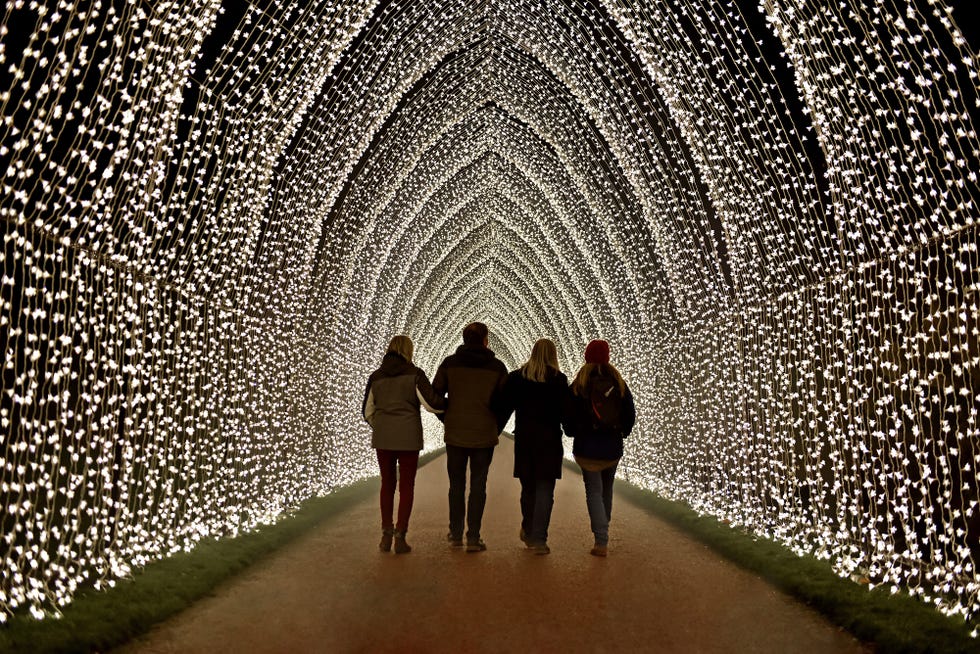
{"x": 101, "y": 620}
{"x": 894, "y": 623}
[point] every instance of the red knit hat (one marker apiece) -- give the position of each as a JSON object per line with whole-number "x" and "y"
{"x": 597, "y": 352}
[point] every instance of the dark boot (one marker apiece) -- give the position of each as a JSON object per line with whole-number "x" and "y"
{"x": 401, "y": 547}
{"x": 386, "y": 536}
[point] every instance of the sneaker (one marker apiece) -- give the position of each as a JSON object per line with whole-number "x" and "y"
{"x": 454, "y": 541}
{"x": 538, "y": 548}
{"x": 599, "y": 550}
{"x": 476, "y": 546}
{"x": 386, "y": 536}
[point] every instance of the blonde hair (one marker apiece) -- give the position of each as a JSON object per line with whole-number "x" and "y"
{"x": 580, "y": 386}
{"x": 544, "y": 355}
{"x": 402, "y": 345}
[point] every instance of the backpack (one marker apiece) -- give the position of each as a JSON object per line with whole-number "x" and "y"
{"x": 606, "y": 405}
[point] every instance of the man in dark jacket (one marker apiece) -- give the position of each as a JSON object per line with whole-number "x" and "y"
{"x": 473, "y": 379}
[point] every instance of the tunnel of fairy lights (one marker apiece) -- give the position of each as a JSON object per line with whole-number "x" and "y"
{"x": 214, "y": 219}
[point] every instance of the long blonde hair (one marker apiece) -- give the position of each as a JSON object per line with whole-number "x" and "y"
{"x": 580, "y": 386}
{"x": 544, "y": 355}
{"x": 403, "y": 346}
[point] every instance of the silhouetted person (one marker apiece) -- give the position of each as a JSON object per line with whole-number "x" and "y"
{"x": 394, "y": 393}
{"x": 472, "y": 378}
{"x": 600, "y": 416}
{"x": 537, "y": 393}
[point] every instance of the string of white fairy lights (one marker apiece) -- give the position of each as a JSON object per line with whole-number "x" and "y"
{"x": 214, "y": 222}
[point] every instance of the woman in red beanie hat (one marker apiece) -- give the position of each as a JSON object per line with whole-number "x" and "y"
{"x": 600, "y": 416}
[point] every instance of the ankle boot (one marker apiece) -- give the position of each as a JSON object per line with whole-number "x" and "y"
{"x": 386, "y": 536}
{"x": 401, "y": 547}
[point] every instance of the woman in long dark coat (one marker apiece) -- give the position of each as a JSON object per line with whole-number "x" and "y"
{"x": 537, "y": 393}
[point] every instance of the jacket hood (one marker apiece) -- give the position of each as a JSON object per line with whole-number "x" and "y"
{"x": 474, "y": 354}
{"x": 394, "y": 362}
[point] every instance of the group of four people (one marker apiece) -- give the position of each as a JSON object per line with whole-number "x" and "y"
{"x": 474, "y": 396}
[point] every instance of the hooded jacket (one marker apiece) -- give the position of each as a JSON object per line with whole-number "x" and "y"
{"x": 473, "y": 378}
{"x": 392, "y": 399}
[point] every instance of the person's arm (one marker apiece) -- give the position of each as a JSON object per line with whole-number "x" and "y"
{"x": 564, "y": 393}
{"x": 440, "y": 383}
{"x": 498, "y": 401}
{"x": 569, "y": 417}
{"x": 506, "y": 401}
{"x": 367, "y": 406}
{"x": 440, "y": 386}
{"x": 428, "y": 398}
{"x": 629, "y": 413}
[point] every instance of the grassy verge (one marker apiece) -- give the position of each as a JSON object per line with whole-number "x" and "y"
{"x": 100, "y": 620}
{"x": 893, "y": 623}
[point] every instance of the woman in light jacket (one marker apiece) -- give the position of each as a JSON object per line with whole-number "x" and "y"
{"x": 537, "y": 393}
{"x": 600, "y": 416}
{"x": 392, "y": 399}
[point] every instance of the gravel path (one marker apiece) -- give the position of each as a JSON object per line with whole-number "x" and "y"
{"x": 332, "y": 591}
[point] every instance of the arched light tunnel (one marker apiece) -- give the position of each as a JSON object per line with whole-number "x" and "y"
{"x": 215, "y": 215}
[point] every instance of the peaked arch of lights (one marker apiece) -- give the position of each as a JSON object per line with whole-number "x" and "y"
{"x": 214, "y": 219}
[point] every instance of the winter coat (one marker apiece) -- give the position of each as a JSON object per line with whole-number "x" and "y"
{"x": 394, "y": 393}
{"x": 590, "y": 443}
{"x": 473, "y": 379}
{"x": 538, "y": 408}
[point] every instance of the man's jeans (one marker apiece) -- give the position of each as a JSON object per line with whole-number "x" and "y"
{"x": 537, "y": 500}
{"x": 456, "y": 458}
{"x": 598, "y": 499}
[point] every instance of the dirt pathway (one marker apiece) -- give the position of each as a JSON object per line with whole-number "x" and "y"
{"x": 332, "y": 591}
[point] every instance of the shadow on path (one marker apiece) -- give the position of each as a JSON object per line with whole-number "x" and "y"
{"x": 332, "y": 591}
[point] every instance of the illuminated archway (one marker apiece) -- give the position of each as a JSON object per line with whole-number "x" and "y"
{"x": 214, "y": 220}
